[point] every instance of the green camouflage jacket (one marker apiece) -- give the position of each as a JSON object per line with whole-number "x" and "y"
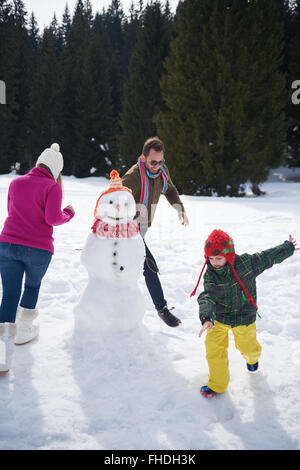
{"x": 223, "y": 298}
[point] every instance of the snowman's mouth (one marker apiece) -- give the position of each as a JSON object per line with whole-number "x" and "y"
{"x": 114, "y": 218}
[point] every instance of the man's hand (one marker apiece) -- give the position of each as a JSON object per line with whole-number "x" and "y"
{"x": 183, "y": 218}
{"x": 207, "y": 324}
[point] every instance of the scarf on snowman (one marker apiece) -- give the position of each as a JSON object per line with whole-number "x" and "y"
{"x": 145, "y": 174}
{"x": 104, "y": 230}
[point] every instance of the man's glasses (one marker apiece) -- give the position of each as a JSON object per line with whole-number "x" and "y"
{"x": 157, "y": 163}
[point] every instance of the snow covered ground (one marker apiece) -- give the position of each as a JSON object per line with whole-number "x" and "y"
{"x": 140, "y": 390}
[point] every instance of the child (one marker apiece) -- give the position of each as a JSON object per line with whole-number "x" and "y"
{"x": 26, "y": 247}
{"x": 229, "y": 302}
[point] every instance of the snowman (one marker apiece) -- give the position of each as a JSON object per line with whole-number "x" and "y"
{"x": 113, "y": 256}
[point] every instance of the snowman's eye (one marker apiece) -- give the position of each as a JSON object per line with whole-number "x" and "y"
{"x": 111, "y": 202}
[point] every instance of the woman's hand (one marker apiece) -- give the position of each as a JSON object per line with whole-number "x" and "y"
{"x": 70, "y": 208}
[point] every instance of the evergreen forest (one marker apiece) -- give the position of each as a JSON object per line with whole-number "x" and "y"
{"x": 217, "y": 80}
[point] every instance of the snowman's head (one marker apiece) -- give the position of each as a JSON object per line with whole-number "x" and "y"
{"x": 116, "y": 205}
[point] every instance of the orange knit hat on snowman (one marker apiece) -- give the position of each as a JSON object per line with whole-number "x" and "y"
{"x": 115, "y": 184}
{"x": 219, "y": 243}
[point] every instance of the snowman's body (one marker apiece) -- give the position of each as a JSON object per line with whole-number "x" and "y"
{"x": 112, "y": 301}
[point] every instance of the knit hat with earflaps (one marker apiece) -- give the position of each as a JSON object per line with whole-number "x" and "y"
{"x": 53, "y": 159}
{"x": 219, "y": 243}
{"x": 115, "y": 184}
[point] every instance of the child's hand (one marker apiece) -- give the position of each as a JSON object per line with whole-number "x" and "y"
{"x": 207, "y": 324}
{"x": 293, "y": 242}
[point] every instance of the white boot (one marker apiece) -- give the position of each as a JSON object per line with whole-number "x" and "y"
{"x": 26, "y": 330}
{"x": 7, "y": 334}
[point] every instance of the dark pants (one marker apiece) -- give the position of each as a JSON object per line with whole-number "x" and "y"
{"x": 15, "y": 261}
{"x": 152, "y": 281}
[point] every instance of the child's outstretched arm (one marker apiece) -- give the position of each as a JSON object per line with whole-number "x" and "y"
{"x": 267, "y": 258}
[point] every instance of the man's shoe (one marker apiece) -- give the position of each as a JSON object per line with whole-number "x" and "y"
{"x": 252, "y": 367}
{"x": 168, "y": 317}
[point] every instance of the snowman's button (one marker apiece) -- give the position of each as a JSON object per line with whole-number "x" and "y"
{"x": 114, "y": 264}
{"x": 114, "y": 253}
{"x": 121, "y": 268}
{"x": 115, "y": 243}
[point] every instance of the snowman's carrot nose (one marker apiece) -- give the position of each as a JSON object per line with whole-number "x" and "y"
{"x": 118, "y": 207}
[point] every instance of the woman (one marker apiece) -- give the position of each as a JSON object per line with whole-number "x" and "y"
{"x": 26, "y": 246}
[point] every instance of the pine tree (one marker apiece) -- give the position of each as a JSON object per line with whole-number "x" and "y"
{"x": 33, "y": 32}
{"x": 223, "y": 122}
{"x": 269, "y": 94}
{"x": 45, "y": 98}
{"x": 16, "y": 72}
{"x": 132, "y": 24}
{"x": 57, "y": 34}
{"x": 71, "y": 64}
{"x": 24, "y": 62}
{"x": 113, "y": 20}
{"x": 5, "y": 10}
{"x": 66, "y": 24}
{"x": 88, "y": 10}
{"x": 8, "y": 75}
{"x": 96, "y": 124}
{"x": 29, "y": 120}
{"x": 142, "y": 96}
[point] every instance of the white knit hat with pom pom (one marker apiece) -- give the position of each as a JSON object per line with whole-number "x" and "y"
{"x": 53, "y": 159}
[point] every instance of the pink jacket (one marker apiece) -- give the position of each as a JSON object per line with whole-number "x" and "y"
{"x": 34, "y": 206}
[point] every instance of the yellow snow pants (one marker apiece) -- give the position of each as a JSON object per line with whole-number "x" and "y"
{"x": 217, "y": 343}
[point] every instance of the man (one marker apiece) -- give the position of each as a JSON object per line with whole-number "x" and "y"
{"x": 148, "y": 179}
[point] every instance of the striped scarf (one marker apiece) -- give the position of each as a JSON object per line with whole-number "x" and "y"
{"x": 145, "y": 174}
{"x": 104, "y": 230}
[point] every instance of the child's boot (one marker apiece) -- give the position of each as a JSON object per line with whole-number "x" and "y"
{"x": 26, "y": 329}
{"x": 252, "y": 368}
{"x": 207, "y": 392}
{"x": 7, "y": 334}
